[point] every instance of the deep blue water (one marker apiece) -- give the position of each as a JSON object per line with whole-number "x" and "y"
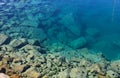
{"x": 104, "y": 15}
{"x": 64, "y": 21}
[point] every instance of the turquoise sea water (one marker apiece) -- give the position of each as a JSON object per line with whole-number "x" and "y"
{"x": 77, "y": 24}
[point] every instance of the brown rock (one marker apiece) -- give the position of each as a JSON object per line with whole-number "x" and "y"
{"x": 21, "y": 68}
{"x": 14, "y": 76}
{"x": 4, "y": 68}
{"x": 32, "y": 73}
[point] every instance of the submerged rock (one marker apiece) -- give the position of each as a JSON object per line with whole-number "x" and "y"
{"x": 92, "y": 32}
{"x": 28, "y": 47}
{"x": 3, "y": 39}
{"x": 69, "y": 22}
{"x": 30, "y": 23}
{"x": 27, "y": 62}
{"x": 17, "y": 43}
{"x": 37, "y": 33}
{"x": 78, "y": 43}
{"x": 33, "y": 42}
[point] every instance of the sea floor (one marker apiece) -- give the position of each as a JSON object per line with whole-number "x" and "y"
{"x": 22, "y": 58}
{"x": 47, "y": 39}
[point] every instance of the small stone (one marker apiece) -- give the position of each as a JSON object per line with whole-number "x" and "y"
{"x": 24, "y": 40}
{"x": 50, "y": 56}
{"x": 74, "y": 59}
{"x": 7, "y": 48}
{"x": 78, "y": 73}
{"x": 32, "y": 73}
{"x": 19, "y": 68}
{"x": 94, "y": 68}
{"x": 28, "y": 47}
{"x": 112, "y": 74}
{"x": 42, "y": 59}
{"x": 84, "y": 62}
{"x": 63, "y": 74}
{"x": 102, "y": 76}
{"x": 17, "y": 60}
{"x": 33, "y": 42}
{"x": 51, "y": 73}
{"x": 58, "y": 61}
{"x": 33, "y": 52}
{"x": 49, "y": 64}
{"x": 45, "y": 76}
{"x": 3, "y": 39}
{"x": 29, "y": 57}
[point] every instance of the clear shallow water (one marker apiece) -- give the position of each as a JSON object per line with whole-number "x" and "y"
{"x": 92, "y": 24}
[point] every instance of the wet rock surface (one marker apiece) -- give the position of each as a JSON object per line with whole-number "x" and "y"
{"x": 28, "y": 62}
